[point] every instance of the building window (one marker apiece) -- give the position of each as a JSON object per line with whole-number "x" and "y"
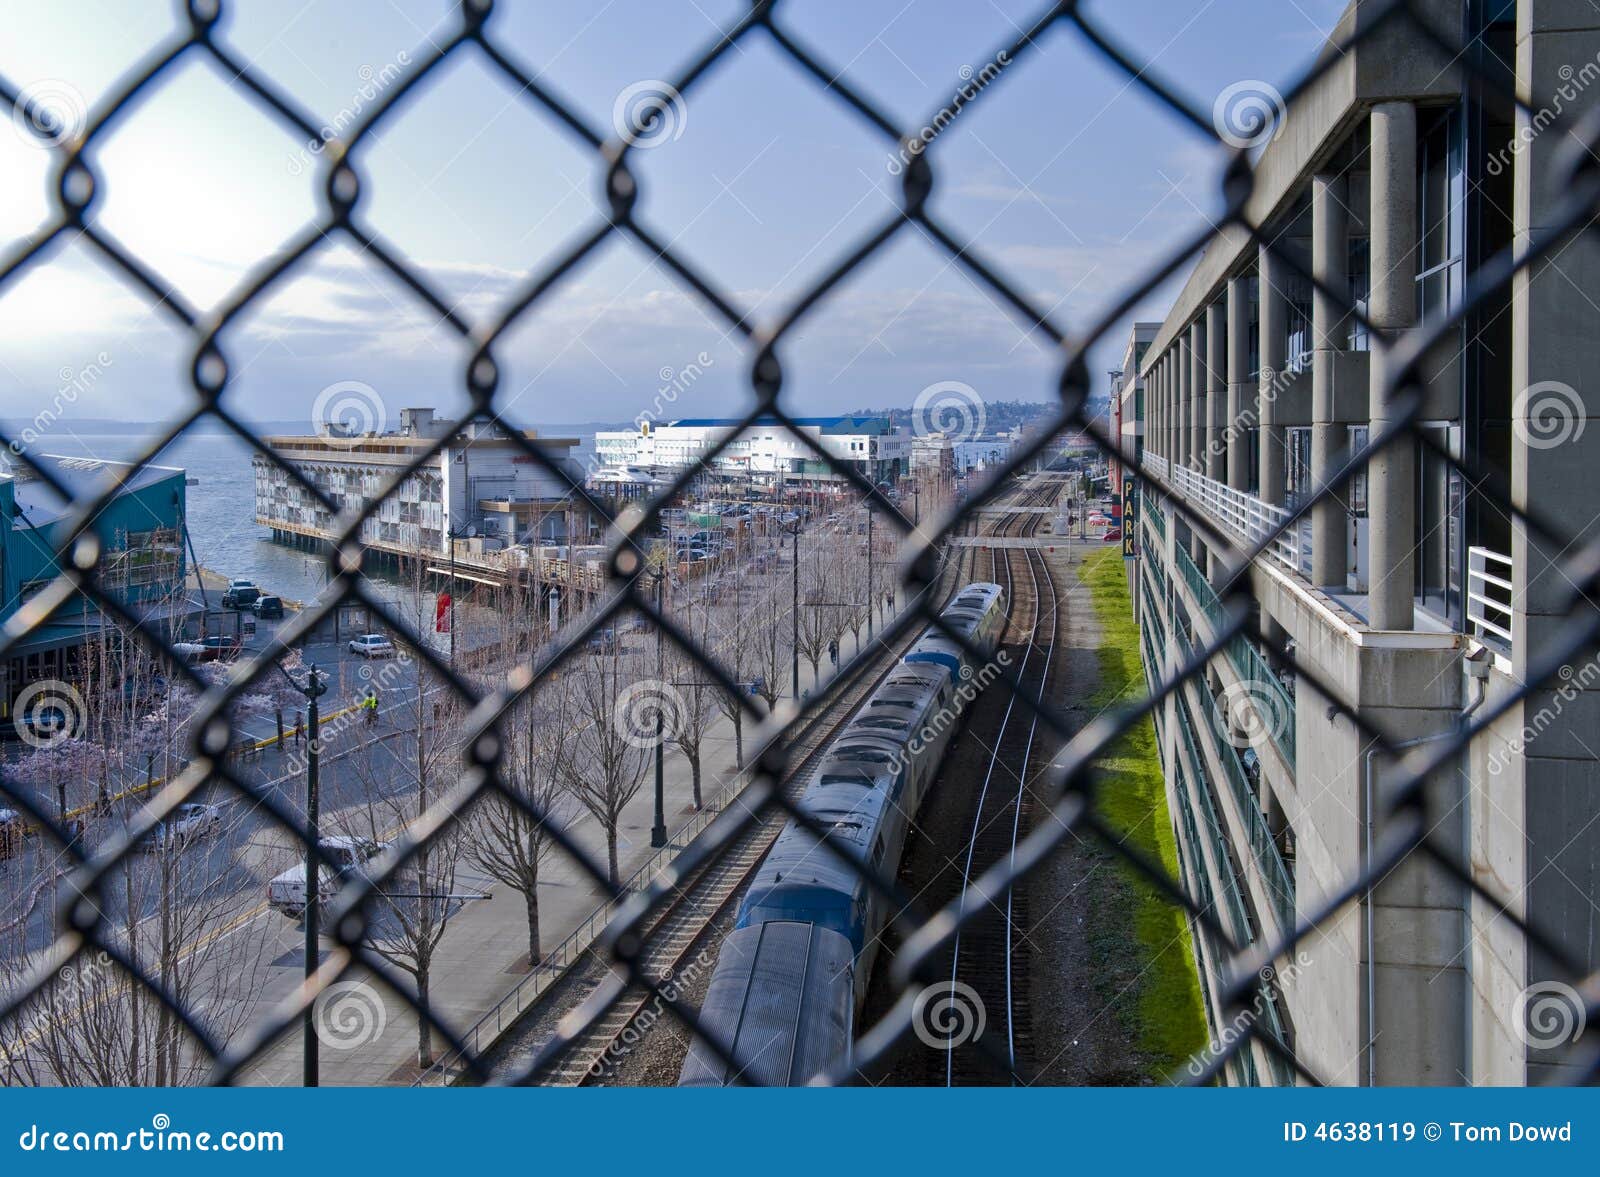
{"x": 1298, "y": 345}
{"x": 1439, "y": 515}
{"x": 1297, "y": 470}
{"x": 1358, "y": 481}
{"x": 1442, "y": 205}
{"x": 1360, "y": 266}
{"x": 1254, "y": 285}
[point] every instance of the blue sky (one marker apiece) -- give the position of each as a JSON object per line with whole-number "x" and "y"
{"x": 1068, "y": 176}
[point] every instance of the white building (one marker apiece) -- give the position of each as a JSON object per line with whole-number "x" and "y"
{"x": 481, "y": 484}
{"x": 766, "y": 453}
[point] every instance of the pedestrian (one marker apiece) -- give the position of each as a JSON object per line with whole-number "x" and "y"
{"x": 369, "y": 704}
{"x": 299, "y": 730}
{"x": 833, "y": 652}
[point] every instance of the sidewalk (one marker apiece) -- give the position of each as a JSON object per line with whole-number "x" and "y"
{"x": 484, "y": 951}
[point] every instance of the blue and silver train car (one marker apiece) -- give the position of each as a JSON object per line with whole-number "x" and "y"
{"x": 872, "y": 780}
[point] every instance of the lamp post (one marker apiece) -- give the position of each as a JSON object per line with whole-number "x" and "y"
{"x": 794, "y": 613}
{"x": 869, "y": 570}
{"x": 315, "y": 687}
{"x": 658, "y": 832}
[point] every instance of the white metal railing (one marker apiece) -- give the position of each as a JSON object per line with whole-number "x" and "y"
{"x": 1489, "y": 589}
{"x": 1235, "y": 510}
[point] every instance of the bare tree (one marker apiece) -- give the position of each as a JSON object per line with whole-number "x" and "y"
{"x": 503, "y": 839}
{"x": 604, "y": 767}
{"x": 696, "y": 695}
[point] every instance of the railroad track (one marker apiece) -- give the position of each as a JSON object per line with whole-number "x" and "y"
{"x": 678, "y": 926}
{"x": 985, "y": 953}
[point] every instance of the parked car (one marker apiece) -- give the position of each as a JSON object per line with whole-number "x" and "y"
{"x": 46, "y": 723}
{"x": 268, "y": 608}
{"x": 343, "y": 858}
{"x": 186, "y": 823}
{"x": 219, "y": 647}
{"x": 603, "y": 641}
{"x": 240, "y": 594}
{"x": 1113, "y": 536}
{"x": 372, "y": 645}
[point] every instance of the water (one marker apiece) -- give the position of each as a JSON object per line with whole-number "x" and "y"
{"x": 222, "y": 505}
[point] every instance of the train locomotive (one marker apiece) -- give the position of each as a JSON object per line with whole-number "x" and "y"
{"x": 793, "y": 974}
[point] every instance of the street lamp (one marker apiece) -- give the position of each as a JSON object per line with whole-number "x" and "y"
{"x": 658, "y": 832}
{"x": 794, "y": 612}
{"x": 316, "y": 685}
{"x": 869, "y": 570}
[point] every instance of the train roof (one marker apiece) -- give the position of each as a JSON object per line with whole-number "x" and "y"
{"x": 780, "y": 1001}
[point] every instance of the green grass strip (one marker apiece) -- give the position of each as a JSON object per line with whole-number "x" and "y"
{"x": 1133, "y": 800}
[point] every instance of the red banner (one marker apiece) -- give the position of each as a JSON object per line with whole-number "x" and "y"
{"x": 441, "y": 614}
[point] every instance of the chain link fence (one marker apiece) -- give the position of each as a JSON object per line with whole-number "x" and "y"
{"x": 84, "y": 939}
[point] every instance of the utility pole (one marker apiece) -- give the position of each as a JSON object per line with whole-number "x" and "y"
{"x": 658, "y": 832}
{"x": 869, "y": 570}
{"x": 314, "y": 688}
{"x": 794, "y": 614}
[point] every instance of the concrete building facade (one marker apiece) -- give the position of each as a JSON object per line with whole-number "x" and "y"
{"x": 1408, "y": 591}
{"x": 481, "y": 487}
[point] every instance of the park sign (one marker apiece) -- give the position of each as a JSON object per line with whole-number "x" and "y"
{"x": 1130, "y": 517}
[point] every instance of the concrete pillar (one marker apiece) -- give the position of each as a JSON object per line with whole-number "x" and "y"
{"x": 1197, "y": 394}
{"x": 1391, "y": 306}
{"x": 1330, "y": 266}
{"x": 1175, "y": 432}
{"x": 1154, "y": 408}
{"x": 1181, "y": 373}
{"x": 1216, "y": 451}
{"x": 1242, "y": 399}
{"x": 1274, "y": 275}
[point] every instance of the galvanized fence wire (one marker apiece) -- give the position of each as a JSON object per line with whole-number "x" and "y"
{"x": 1072, "y": 780}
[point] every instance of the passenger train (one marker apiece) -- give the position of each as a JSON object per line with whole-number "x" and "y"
{"x": 793, "y": 973}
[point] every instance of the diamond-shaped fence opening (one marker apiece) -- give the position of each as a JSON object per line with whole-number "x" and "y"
{"x": 496, "y": 737}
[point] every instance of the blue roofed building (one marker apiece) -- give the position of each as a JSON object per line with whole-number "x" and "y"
{"x": 141, "y": 534}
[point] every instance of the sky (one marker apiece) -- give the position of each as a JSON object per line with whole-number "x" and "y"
{"x": 1066, "y": 175}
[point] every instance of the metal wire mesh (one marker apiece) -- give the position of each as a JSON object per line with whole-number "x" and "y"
{"x": 1072, "y": 783}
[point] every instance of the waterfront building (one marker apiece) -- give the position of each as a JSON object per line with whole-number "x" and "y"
{"x": 1411, "y": 591}
{"x": 481, "y": 489}
{"x": 142, "y": 537}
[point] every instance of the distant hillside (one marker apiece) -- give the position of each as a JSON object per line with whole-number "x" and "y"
{"x": 998, "y": 416}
